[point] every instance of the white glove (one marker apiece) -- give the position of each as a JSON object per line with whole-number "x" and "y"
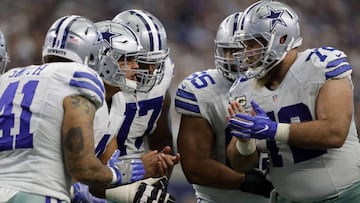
{"x": 147, "y": 190}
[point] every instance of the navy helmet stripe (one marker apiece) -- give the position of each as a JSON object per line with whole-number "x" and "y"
{"x": 158, "y": 35}
{"x": 57, "y": 30}
{"x": 66, "y": 32}
{"x": 151, "y": 37}
{"x": 235, "y": 23}
{"x": 246, "y": 12}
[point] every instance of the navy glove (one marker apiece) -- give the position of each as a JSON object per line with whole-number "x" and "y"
{"x": 255, "y": 182}
{"x": 125, "y": 171}
{"x": 155, "y": 192}
{"x": 82, "y": 195}
{"x": 259, "y": 126}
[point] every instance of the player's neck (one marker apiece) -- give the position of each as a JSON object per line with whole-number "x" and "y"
{"x": 275, "y": 76}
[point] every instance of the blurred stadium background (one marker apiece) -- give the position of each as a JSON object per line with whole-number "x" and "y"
{"x": 191, "y": 27}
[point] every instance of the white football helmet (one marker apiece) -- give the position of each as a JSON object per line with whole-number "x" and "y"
{"x": 224, "y": 42}
{"x": 120, "y": 44}
{"x": 5, "y": 59}
{"x": 152, "y": 37}
{"x": 275, "y": 28}
{"x": 74, "y": 38}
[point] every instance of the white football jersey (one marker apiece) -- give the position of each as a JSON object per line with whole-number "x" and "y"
{"x": 31, "y": 101}
{"x": 134, "y": 115}
{"x": 298, "y": 174}
{"x": 204, "y": 94}
{"x": 102, "y": 133}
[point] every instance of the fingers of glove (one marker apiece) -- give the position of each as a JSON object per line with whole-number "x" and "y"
{"x": 162, "y": 183}
{"x": 239, "y": 126}
{"x": 138, "y": 169}
{"x": 241, "y": 120}
{"x": 167, "y": 198}
{"x": 239, "y": 134}
{"x": 258, "y": 110}
{"x": 114, "y": 157}
{"x": 81, "y": 193}
{"x": 78, "y": 187}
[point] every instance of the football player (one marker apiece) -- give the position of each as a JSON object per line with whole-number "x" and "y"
{"x": 119, "y": 68}
{"x": 47, "y": 119}
{"x": 302, "y": 107}
{"x": 5, "y": 59}
{"x": 201, "y": 99}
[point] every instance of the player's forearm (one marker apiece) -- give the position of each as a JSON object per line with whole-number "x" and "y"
{"x": 319, "y": 134}
{"x": 92, "y": 172}
{"x": 238, "y": 161}
{"x": 213, "y": 174}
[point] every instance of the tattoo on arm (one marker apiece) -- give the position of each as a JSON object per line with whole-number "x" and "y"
{"x": 74, "y": 142}
{"x": 77, "y": 102}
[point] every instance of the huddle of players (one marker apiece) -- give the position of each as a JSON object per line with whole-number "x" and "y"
{"x": 60, "y": 113}
{"x": 53, "y": 112}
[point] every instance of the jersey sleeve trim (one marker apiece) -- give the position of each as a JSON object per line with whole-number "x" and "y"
{"x": 187, "y": 106}
{"x": 338, "y": 68}
{"x": 82, "y": 80}
{"x": 186, "y": 95}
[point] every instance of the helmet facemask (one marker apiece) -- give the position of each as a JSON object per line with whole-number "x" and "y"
{"x": 224, "y": 60}
{"x": 153, "y": 38}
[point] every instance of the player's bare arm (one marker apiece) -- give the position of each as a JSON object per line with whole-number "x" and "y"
{"x": 334, "y": 108}
{"x": 162, "y": 140}
{"x": 78, "y": 142}
{"x": 194, "y": 143}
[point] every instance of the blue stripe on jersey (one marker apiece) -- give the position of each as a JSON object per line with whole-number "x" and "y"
{"x": 186, "y": 106}
{"x": 337, "y": 71}
{"x": 336, "y": 62}
{"x": 93, "y": 78}
{"x": 86, "y": 85}
{"x": 186, "y": 95}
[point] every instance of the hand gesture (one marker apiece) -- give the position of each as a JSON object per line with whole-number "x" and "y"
{"x": 158, "y": 164}
{"x": 258, "y": 126}
{"x": 125, "y": 171}
{"x": 255, "y": 182}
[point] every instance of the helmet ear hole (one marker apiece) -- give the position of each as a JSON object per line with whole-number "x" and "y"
{"x": 283, "y": 39}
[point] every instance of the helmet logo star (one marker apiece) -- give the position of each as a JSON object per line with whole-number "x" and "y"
{"x": 274, "y": 16}
{"x": 107, "y": 36}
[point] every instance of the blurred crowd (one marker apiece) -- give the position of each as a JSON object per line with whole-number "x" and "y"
{"x": 191, "y": 26}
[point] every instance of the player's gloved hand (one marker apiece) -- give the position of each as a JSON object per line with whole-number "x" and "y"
{"x": 155, "y": 192}
{"x": 259, "y": 126}
{"x": 125, "y": 171}
{"x": 255, "y": 182}
{"x": 80, "y": 194}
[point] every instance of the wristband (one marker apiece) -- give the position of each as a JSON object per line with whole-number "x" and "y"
{"x": 282, "y": 132}
{"x": 114, "y": 176}
{"x": 246, "y": 148}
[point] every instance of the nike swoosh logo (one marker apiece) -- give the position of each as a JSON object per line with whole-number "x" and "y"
{"x": 264, "y": 129}
{"x": 338, "y": 55}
